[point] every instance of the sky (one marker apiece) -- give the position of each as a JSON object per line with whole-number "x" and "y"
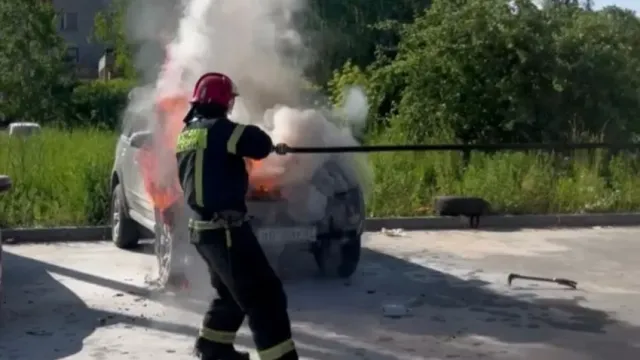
{"x": 630, "y": 4}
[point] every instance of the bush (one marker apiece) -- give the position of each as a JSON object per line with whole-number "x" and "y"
{"x": 60, "y": 178}
{"x": 490, "y": 71}
{"x": 99, "y": 103}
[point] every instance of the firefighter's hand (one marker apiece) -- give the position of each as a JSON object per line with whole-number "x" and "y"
{"x": 281, "y": 149}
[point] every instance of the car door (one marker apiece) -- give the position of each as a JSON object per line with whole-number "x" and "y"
{"x": 140, "y": 205}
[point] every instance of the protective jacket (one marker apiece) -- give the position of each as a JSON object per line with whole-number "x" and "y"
{"x": 211, "y": 163}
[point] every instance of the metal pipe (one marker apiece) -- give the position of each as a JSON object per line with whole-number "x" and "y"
{"x": 561, "y": 281}
{"x": 283, "y": 149}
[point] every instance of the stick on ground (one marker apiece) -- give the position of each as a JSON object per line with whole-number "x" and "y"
{"x": 561, "y": 281}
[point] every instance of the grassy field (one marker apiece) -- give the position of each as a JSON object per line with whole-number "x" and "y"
{"x": 514, "y": 183}
{"x": 61, "y": 178}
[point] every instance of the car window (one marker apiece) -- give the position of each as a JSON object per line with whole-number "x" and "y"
{"x": 139, "y": 112}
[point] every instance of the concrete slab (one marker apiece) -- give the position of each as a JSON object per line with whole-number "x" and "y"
{"x": 92, "y": 301}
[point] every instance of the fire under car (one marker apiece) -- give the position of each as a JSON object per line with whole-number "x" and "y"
{"x": 332, "y": 239}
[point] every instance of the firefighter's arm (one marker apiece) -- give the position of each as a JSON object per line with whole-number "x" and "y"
{"x": 249, "y": 141}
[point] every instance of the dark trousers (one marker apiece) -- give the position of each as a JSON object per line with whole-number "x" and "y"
{"x": 246, "y": 286}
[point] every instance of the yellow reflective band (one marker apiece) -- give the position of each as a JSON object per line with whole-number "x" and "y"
{"x": 216, "y": 224}
{"x": 217, "y": 336}
{"x": 192, "y": 139}
{"x": 198, "y": 177}
{"x": 278, "y": 351}
{"x": 232, "y": 143}
{"x": 227, "y": 234}
{"x": 205, "y": 225}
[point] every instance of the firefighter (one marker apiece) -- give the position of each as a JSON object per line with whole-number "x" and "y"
{"x": 211, "y": 151}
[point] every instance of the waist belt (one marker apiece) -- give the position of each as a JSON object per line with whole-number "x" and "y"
{"x": 220, "y": 221}
{"x": 223, "y": 220}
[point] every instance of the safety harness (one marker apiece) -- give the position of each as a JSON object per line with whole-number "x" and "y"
{"x": 226, "y": 220}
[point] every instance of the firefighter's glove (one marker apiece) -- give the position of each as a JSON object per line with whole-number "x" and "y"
{"x": 281, "y": 149}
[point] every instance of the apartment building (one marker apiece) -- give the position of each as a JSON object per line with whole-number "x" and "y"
{"x": 75, "y": 24}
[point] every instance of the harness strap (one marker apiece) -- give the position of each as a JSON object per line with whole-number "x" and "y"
{"x": 219, "y": 222}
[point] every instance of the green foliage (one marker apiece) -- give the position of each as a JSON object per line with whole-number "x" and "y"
{"x": 37, "y": 83}
{"x": 110, "y": 29}
{"x": 461, "y": 71}
{"x": 349, "y": 75}
{"x": 34, "y": 76}
{"x": 99, "y": 103}
{"x": 514, "y": 183}
{"x": 347, "y": 30}
{"x": 60, "y": 177}
{"x": 486, "y": 71}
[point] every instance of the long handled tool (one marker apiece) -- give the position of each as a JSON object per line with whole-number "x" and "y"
{"x": 566, "y": 282}
{"x": 283, "y": 149}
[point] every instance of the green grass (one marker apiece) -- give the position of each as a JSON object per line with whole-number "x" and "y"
{"x": 61, "y": 178}
{"x": 514, "y": 183}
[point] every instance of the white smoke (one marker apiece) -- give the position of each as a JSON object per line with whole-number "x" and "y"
{"x": 257, "y": 44}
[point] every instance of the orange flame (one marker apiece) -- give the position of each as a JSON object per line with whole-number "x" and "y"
{"x": 258, "y": 182}
{"x": 161, "y": 180}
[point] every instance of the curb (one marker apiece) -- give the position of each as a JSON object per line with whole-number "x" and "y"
{"x": 508, "y": 222}
{"x": 57, "y": 234}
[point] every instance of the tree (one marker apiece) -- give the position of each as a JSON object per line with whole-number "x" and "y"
{"x": 34, "y": 76}
{"x": 337, "y": 30}
{"x": 348, "y": 30}
{"x": 110, "y": 29}
{"x": 508, "y": 71}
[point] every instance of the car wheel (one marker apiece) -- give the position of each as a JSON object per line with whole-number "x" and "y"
{"x": 350, "y": 256}
{"x": 5, "y": 183}
{"x": 471, "y": 207}
{"x": 171, "y": 257}
{"x": 124, "y": 231}
{"x": 337, "y": 258}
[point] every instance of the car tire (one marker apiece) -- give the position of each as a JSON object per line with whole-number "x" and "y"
{"x": 124, "y": 231}
{"x": 471, "y": 207}
{"x": 350, "y": 256}
{"x": 171, "y": 255}
{"x": 461, "y": 206}
{"x": 5, "y": 183}
{"x": 335, "y": 258}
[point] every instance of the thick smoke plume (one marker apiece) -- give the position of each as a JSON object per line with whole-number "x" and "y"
{"x": 256, "y": 43}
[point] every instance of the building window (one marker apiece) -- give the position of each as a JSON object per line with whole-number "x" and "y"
{"x": 69, "y": 21}
{"x": 73, "y": 54}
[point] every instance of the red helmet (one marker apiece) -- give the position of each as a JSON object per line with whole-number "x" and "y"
{"x": 215, "y": 88}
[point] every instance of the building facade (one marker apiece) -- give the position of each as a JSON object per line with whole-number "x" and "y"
{"x": 75, "y": 25}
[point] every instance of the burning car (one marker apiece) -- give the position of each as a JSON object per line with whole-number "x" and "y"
{"x": 146, "y": 196}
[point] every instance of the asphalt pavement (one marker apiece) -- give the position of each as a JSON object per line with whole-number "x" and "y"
{"x": 93, "y": 301}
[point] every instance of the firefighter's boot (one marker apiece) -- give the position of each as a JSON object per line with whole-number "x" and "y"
{"x": 235, "y": 355}
{"x": 206, "y": 351}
